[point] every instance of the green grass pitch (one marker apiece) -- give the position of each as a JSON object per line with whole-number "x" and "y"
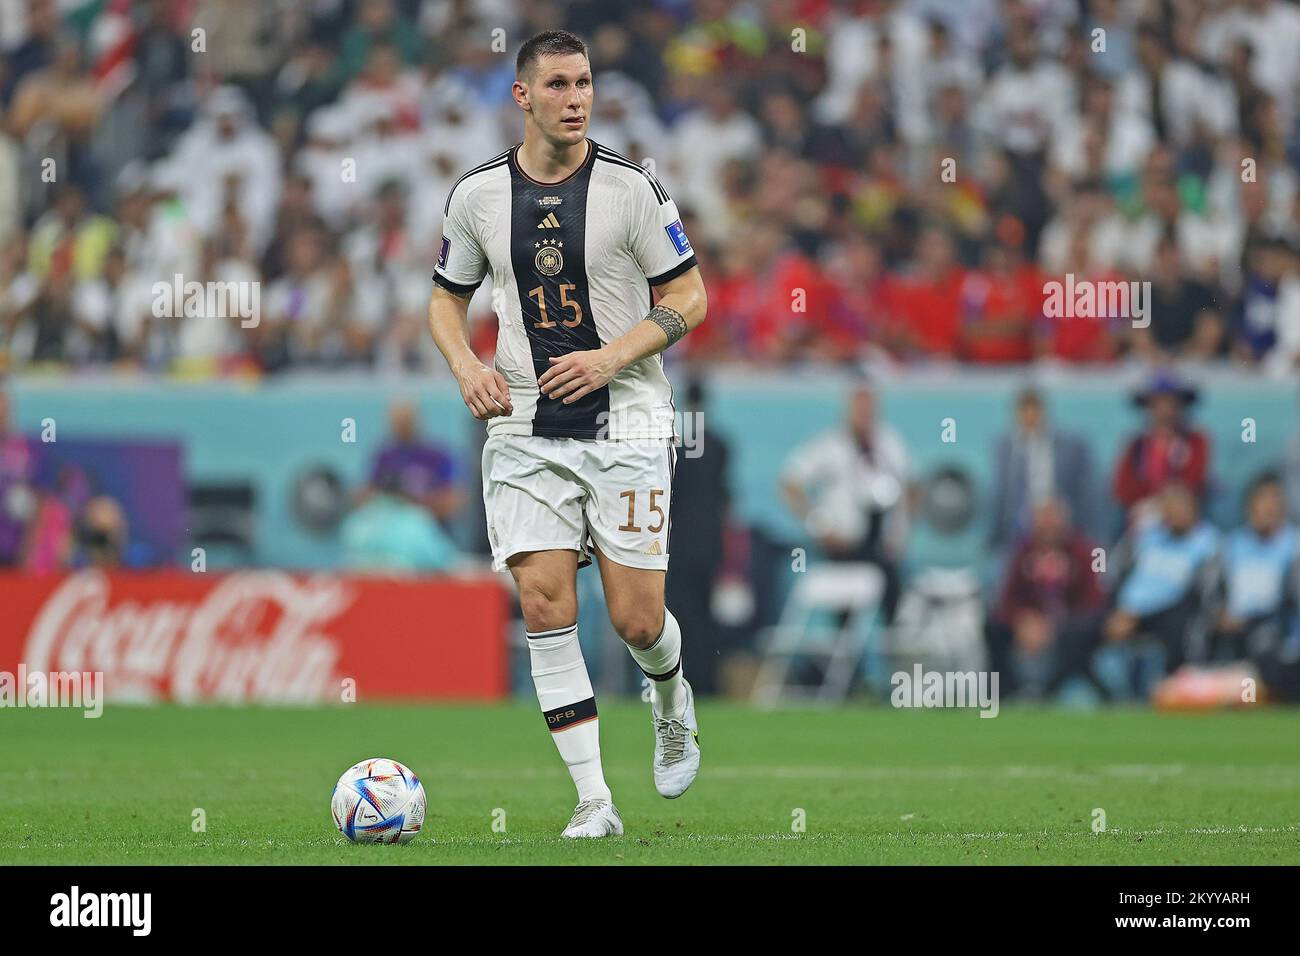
{"x": 874, "y": 785}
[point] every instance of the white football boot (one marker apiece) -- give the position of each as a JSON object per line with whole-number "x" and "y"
{"x": 677, "y": 749}
{"x": 594, "y": 818}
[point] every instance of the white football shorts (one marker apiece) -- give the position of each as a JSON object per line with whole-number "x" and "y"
{"x": 545, "y": 494}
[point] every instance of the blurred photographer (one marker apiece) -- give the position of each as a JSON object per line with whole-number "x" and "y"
{"x": 102, "y": 538}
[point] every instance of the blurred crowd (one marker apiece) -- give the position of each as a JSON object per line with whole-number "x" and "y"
{"x": 897, "y": 178}
{"x": 1085, "y": 563}
{"x": 403, "y": 516}
{"x": 890, "y": 180}
{"x": 62, "y": 522}
{"x": 1075, "y": 563}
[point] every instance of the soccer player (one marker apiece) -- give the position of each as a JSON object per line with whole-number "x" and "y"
{"x": 579, "y": 455}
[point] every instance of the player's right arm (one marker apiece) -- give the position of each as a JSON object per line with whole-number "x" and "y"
{"x": 483, "y": 389}
{"x": 461, "y": 267}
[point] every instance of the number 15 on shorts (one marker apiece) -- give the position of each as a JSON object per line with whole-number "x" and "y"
{"x": 654, "y": 509}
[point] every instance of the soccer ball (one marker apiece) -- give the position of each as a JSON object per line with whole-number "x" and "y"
{"x": 378, "y": 801}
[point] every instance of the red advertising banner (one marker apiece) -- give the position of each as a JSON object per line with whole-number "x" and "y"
{"x": 260, "y": 636}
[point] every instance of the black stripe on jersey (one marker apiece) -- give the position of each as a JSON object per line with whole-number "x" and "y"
{"x": 492, "y": 163}
{"x": 683, "y": 266}
{"x": 570, "y": 714}
{"x": 551, "y": 264}
{"x": 609, "y": 156}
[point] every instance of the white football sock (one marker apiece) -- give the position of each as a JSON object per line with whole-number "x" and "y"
{"x": 564, "y": 691}
{"x": 662, "y": 663}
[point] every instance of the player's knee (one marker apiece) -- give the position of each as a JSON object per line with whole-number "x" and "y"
{"x": 638, "y": 626}
{"x": 546, "y": 608}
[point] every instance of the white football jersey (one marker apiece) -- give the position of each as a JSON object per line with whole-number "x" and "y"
{"x": 572, "y": 267}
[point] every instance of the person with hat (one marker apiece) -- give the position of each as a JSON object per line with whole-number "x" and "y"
{"x": 1169, "y": 449}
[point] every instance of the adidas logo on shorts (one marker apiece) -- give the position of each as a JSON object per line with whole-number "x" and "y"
{"x": 653, "y": 549}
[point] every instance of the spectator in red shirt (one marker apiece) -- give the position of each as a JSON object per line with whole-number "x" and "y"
{"x": 1001, "y": 304}
{"x": 855, "y": 313}
{"x": 769, "y": 296}
{"x": 1049, "y": 586}
{"x": 926, "y": 306}
{"x": 1077, "y": 338}
{"x": 1169, "y": 449}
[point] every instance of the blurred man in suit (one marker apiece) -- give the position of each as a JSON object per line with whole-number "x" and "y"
{"x": 1036, "y": 463}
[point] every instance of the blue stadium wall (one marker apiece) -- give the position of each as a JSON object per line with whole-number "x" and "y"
{"x": 271, "y": 433}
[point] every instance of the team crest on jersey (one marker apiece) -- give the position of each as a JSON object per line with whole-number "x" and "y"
{"x": 549, "y": 260}
{"x": 678, "y": 235}
{"x": 442, "y": 253}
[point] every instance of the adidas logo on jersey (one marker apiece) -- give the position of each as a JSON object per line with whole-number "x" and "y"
{"x": 654, "y": 549}
{"x": 550, "y": 222}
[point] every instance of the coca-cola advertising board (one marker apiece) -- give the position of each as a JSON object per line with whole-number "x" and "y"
{"x": 261, "y": 636}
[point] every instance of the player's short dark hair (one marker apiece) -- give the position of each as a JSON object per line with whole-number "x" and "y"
{"x": 547, "y": 43}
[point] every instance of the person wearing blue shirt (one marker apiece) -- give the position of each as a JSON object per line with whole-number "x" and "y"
{"x": 1259, "y": 575}
{"x": 390, "y": 533}
{"x": 1167, "y": 567}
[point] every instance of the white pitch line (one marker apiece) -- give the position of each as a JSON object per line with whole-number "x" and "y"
{"x": 1222, "y": 772}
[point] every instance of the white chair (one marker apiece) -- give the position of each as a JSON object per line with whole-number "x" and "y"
{"x": 939, "y": 623}
{"x": 827, "y": 620}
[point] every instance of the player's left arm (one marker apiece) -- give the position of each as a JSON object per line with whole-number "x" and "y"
{"x": 681, "y": 307}
{"x": 657, "y": 242}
